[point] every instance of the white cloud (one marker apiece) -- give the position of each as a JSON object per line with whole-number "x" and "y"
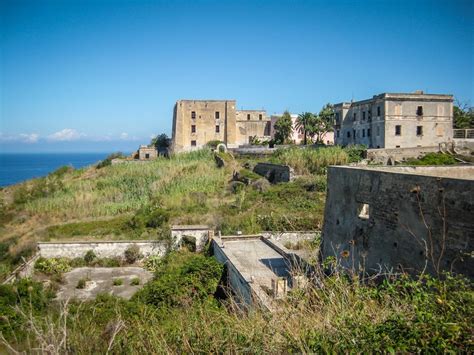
{"x": 67, "y": 134}
{"x": 29, "y": 137}
{"x": 22, "y": 137}
{"x": 124, "y": 136}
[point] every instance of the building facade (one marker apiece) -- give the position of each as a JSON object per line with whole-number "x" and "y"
{"x": 395, "y": 121}
{"x": 197, "y": 122}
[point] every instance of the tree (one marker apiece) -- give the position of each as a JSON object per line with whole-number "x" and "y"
{"x": 304, "y": 123}
{"x": 322, "y": 123}
{"x": 463, "y": 118}
{"x": 283, "y": 128}
{"x": 161, "y": 141}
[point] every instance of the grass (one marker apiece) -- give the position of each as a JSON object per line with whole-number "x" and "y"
{"x": 399, "y": 314}
{"x": 433, "y": 159}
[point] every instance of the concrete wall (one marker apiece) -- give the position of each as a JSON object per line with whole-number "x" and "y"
{"x": 373, "y": 122}
{"x": 144, "y": 151}
{"x": 275, "y": 173}
{"x": 398, "y": 201}
{"x": 103, "y": 249}
{"x": 201, "y": 235}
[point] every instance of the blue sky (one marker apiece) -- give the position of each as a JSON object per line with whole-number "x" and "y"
{"x": 104, "y": 75}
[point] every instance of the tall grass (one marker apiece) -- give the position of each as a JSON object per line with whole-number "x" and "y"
{"x": 312, "y": 161}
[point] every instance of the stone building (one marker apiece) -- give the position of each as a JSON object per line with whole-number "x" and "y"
{"x": 395, "y": 121}
{"x": 197, "y": 122}
{"x": 401, "y": 218}
{"x": 147, "y": 153}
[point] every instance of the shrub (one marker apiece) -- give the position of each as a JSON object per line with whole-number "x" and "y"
{"x": 108, "y": 161}
{"x": 356, "y": 152}
{"x": 81, "y": 284}
{"x": 135, "y": 281}
{"x": 89, "y": 256}
{"x": 433, "y": 159}
{"x": 117, "y": 282}
{"x": 152, "y": 263}
{"x": 214, "y": 143}
{"x": 52, "y": 265}
{"x": 132, "y": 253}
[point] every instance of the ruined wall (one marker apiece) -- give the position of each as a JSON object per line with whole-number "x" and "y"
{"x": 398, "y": 218}
{"x": 147, "y": 153}
{"x": 382, "y": 155}
{"x": 200, "y": 235}
{"x": 275, "y": 173}
{"x": 103, "y": 249}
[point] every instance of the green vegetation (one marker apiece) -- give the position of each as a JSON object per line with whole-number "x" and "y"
{"x": 135, "y": 281}
{"x": 108, "y": 161}
{"x": 117, "y": 282}
{"x": 463, "y": 117}
{"x": 433, "y": 159}
{"x": 81, "y": 284}
{"x": 179, "y": 312}
{"x": 132, "y": 254}
{"x": 283, "y": 128}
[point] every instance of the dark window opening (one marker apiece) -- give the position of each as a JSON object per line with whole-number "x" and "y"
{"x": 398, "y": 130}
{"x": 348, "y": 134}
{"x": 193, "y": 143}
{"x": 248, "y": 116}
{"x": 218, "y": 128}
{"x": 368, "y": 132}
{"x": 378, "y": 110}
{"x": 147, "y": 156}
{"x": 354, "y": 133}
{"x": 419, "y": 130}
{"x": 363, "y": 115}
{"x": 397, "y": 146}
{"x": 363, "y": 133}
{"x": 260, "y": 117}
{"x": 355, "y": 116}
{"x": 193, "y": 114}
{"x": 217, "y": 115}
{"x": 193, "y": 128}
{"x": 337, "y": 133}
{"x": 419, "y": 111}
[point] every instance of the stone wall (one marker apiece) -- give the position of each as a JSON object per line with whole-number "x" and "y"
{"x": 400, "y": 218}
{"x": 103, "y": 249}
{"x": 398, "y": 154}
{"x": 199, "y": 235}
{"x": 275, "y": 173}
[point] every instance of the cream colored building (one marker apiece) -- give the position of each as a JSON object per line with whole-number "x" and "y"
{"x": 297, "y": 136}
{"x": 395, "y": 121}
{"x": 197, "y": 122}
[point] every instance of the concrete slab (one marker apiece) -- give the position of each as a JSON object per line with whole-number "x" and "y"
{"x": 101, "y": 281}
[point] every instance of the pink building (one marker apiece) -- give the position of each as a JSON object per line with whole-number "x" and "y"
{"x": 296, "y": 136}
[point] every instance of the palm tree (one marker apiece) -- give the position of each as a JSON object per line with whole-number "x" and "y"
{"x": 303, "y": 123}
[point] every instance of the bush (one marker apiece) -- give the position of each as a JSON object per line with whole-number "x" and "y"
{"x": 214, "y": 143}
{"x": 149, "y": 217}
{"x": 135, "y": 281}
{"x": 356, "y": 152}
{"x": 433, "y": 159}
{"x": 89, "y": 257}
{"x": 117, "y": 282}
{"x": 132, "y": 254}
{"x": 81, "y": 284}
{"x": 52, "y": 266}
{"x": 108, "y": 161}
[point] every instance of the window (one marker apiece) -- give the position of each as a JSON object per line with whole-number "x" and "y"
{"x": 370, "y": 114}
{"x": 363, "y": 210}
{"x": 363, "y": 133}
{"x": 147, "y": 156}
{"x": 419, "y": 111}
{"x": 354, "y": 133}
{"x": 193, "y": 143}
{"x": 419, "y": 130}
{"x": 378, "y": 131}
{"x": 398, "y": 130}
{"x": 368, "y": 132}
{"x": 193, "y": 128}
{"x": 337, "y": 133}
{"x": 248, "y": 116}
{"x": 348, "y": 134}
{"x": 355, "y": 116}
{"x": 378, "y": 111}
{"x": 217, "y": 115}
{"x": 218, "y": 128}
{"x": 260, "y": 117}
{"x": 193, "y": 114}
{"x": 363, "y": 115}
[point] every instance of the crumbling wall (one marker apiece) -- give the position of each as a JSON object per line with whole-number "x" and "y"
{"x": 275, "y": 173}
{"x": 103, "y": 249}
{"x": 400, "y": 220}
{"x": 200, "y": 235}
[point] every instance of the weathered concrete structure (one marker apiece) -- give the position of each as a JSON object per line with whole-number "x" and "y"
{"x": 395, "y": 121}
{"x": 103, "y": 249}
{"x": 409, "y": 219}
{"x": 197, "y": 122}
{"x": 196, "y": 235}
{"x": 274, "y": 173}
{"x": 146, "y": 152}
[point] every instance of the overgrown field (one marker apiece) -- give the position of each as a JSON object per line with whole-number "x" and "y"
{"x": 182, "y": 311}
{"x": 141, "y": 200}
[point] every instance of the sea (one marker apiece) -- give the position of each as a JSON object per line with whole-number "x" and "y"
{"x": 18, "y": 167}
